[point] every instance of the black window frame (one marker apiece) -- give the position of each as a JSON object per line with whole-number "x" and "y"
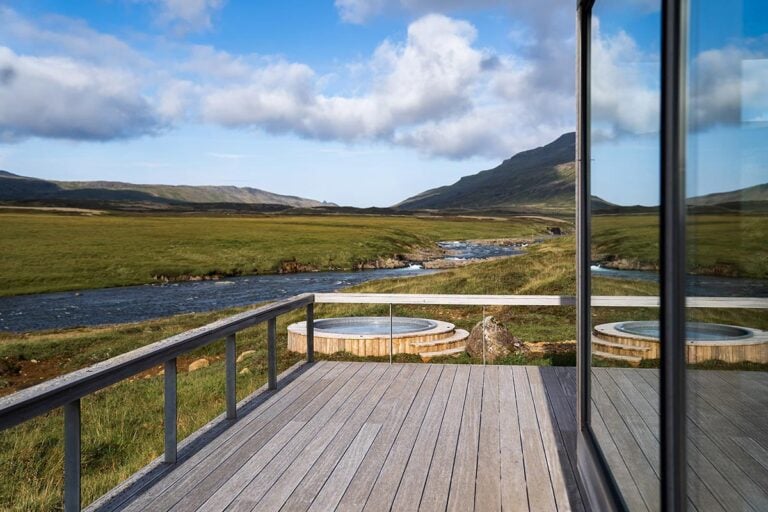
{"x": 597, "y": 479}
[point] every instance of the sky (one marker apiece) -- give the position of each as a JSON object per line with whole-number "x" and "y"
{"x": 727, "y": 98}
{"x": 358, "y": 102}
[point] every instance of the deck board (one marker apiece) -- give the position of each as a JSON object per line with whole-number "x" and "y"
{"x": 438, "y": 483}
{"x": 414, "y": 476}
{"x": 355, "y": 436}
{"x": 373, "y": 436}
{"x": 202, "y": 482}
{"x": 724, "y": 409}
{"x": 384, "y": 490}
{"x": 322, "y": 465}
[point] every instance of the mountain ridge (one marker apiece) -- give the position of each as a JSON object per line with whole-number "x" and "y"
{"x": 544, "y": 179}
{"x": 15, "y": 187}
{"x": 539, "y": 178}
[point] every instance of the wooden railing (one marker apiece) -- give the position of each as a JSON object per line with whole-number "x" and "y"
{"x": 67, "y": 390}
{"x": 627, "y": 301}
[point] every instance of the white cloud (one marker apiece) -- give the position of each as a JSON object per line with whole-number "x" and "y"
{"x": 426, "y": 78}
{"x": 435, "y": 92}
{"x": 176, "y": 100}
{"x": 58, "y": 35}
{"x": 188, "y": 15}
{"x": 728, "y": 86}
{"x": 625, "y": 90}
{"x": 61, "y": 98}
{"x": 360, "y": 11}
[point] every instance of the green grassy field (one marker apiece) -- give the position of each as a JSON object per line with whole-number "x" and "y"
{"x": 49, "y": 252}
{"x": 724, "y": 245}
{"x": 122, "y": 425}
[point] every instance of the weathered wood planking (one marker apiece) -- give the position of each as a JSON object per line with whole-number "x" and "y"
{"x": 319, "y": 462}
{"x": 355, "y": 436}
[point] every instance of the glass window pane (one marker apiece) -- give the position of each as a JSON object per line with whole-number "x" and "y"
{"x": 727, "y": 255}
{"x": 625, "y": 97}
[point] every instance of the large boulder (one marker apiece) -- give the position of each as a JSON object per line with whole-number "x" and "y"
{"x": 498, "y": 341}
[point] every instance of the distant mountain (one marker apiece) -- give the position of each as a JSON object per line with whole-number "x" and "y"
{"x": 21, "y": 188}
{"x": 757, "y": 193}
{"x": 539, "y": 179}
{"x": 544, "y": 179}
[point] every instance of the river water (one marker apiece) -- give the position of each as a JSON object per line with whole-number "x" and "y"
{"x": 696, "y": 286}
{"x": 60, "y": 310}
{"x": 26, "y": 313}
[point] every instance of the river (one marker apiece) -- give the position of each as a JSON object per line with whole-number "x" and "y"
{"x": 24, "y": 313}
{"x": 696, "y": 286}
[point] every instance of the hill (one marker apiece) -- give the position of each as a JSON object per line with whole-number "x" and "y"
{"x": 22, "y": 188}
{"x": 755, "y": 194}
{"x": 539, "y": 179}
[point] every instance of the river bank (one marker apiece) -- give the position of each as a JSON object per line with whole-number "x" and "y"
{"x": 103, "y": 306}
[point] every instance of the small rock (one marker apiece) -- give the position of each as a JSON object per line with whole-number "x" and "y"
{"x": 196, "y": 365}
{"x": 34, "y": 361}
{"x": 245, "y": 371}
{"x": 245, "y": 355}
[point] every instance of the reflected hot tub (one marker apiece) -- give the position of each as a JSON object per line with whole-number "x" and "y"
{"x": 704, "y": 342}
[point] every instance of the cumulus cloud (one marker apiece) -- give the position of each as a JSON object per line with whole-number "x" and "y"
{"x": 360, "y": 11}
{"x": 61, "y": 98}
{"x": 436, "y": 92}
{"x": 625, "y": 90}
{"x": 58, "y": 35}
{"x": 428, "y": 77}
{"x": 728, "y": 86}
{"x": 187, "y": 15}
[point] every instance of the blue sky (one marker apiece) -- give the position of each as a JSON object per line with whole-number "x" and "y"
{"x": 728, "y": 99}
{"x": 355, "y": 101}
{"x": 359, "y": 102}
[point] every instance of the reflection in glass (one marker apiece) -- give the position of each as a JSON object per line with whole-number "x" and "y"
{"x": 625, "y": 96}
{"x": 727, "y": 254}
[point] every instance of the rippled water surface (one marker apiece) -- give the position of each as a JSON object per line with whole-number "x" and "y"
{"x": 136, "y": 303}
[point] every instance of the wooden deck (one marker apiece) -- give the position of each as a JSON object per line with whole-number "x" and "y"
{"x": 727, "y": 436}
{"x": 373, "y": 436}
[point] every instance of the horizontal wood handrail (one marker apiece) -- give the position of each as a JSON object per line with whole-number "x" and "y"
{"x": 532, "y": 300}
{"x": 42, "y": 398}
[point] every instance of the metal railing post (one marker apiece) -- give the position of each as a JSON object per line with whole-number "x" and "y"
{"x": 310, "y": 333}
{"x": 482, "y": 323}
{"x": 231, "y": 376}
{"x": 169, "y": 413}
{"x": 72, "y": 456}
{"x": 272, "y": 353}
{"x": 390, "y": 334}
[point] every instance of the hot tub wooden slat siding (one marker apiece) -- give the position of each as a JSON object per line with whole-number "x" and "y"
{"x": 609, "y": 341}
{"x": 329, "y": 342}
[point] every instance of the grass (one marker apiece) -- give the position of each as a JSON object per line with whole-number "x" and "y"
{"x": 723, "y": 245}
{"x": 44, "y": 252}
{"x": 122, "y": 424}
